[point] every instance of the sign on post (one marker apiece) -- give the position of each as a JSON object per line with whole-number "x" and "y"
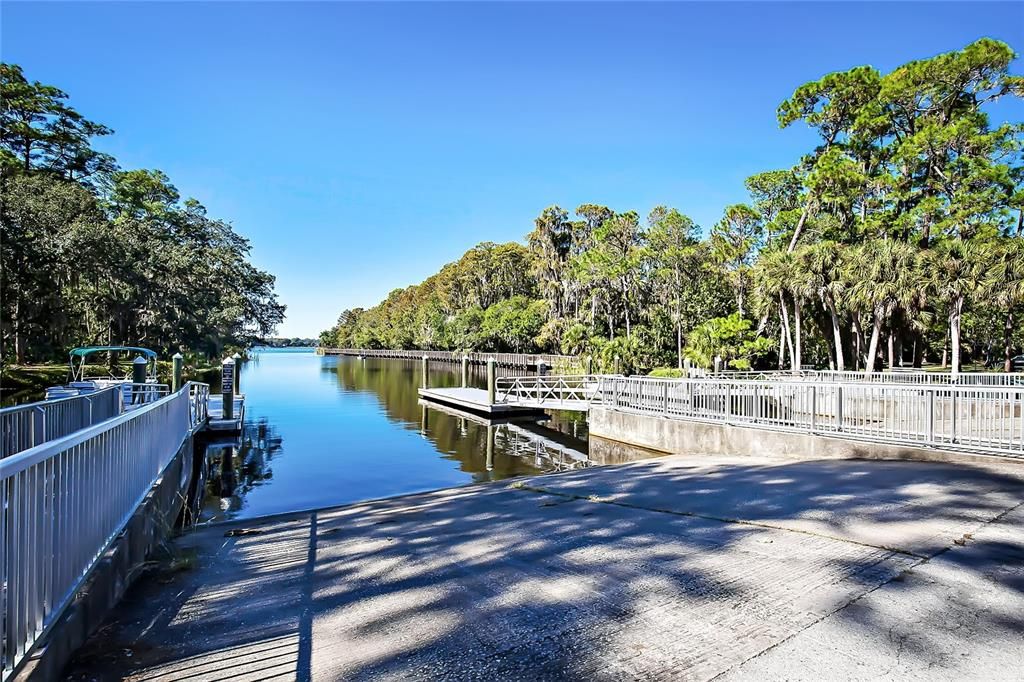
{"x": 227, "y": 389}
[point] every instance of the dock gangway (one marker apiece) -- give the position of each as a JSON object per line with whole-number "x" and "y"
{"x": 64, "y": 501}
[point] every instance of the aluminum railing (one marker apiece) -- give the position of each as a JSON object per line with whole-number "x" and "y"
{"x": 143, "y": 394}
{"x": 985, "y": 419}
{"x": 26, "y": 426}
{"x": 571, "y": 388}
{"x": 884, "y": 377}
{"x": 63, "y": 502}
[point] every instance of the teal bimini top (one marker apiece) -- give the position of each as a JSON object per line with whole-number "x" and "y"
{"x": 89, "y": 350}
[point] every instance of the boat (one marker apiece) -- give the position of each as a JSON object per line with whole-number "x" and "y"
{"x": 80, "y": 384}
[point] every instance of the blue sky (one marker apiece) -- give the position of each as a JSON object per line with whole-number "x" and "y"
{"x": 362, "y": 146}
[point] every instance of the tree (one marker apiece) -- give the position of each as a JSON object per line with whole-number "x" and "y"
{"x": 1004, "y": 285}
{"x": 672, "y": 238}
{"x": 39, "y": 131}
{"x": 734, "y": 242}
{"x": 822, "y": 262}
{"x": 550, "y": 243}
{"x": 514, "y": 322}
{"x": 730, "y": 338}
{"x": 882, "y": 275}
{"x": 954, "y": 271}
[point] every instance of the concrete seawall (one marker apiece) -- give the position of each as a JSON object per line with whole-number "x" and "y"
{"x": 123, "y": 562}
{"x": 686, "y": 437}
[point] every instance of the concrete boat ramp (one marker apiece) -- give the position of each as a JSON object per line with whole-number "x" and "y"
{"x": 675, "y": 568}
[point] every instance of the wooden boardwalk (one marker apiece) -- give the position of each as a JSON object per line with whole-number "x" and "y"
{"x": 455, "y": 357}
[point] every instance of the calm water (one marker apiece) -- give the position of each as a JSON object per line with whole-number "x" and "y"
{"x": 322, "y": 431}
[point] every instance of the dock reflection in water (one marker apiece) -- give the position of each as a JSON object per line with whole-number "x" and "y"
{"x": 324, "y": 431}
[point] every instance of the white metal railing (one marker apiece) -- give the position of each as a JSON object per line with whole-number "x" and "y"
{"x": 581, "y": 389}
{"x": 25, "y": 426}
{"x": 980, "y": 418}
{"x": 987, "y": 419}
{"x": 143, "y": 393}
{"x": 916, "y": 377}
{"x": 63, "y": 502}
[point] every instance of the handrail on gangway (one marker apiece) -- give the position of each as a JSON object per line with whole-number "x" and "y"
{"x": 63, "y": 502}
{"x": 31, "y": 424}
{"x": 25, "y": 426}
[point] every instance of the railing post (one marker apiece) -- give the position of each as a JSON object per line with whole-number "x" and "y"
{"x": 930, "y": 428}
{"x": 424, "y": 371}
{"x": 953, "y": 416}
{"x": 490, "y": 380}
{"x": 176, "y": 370}
{"x": 38, "y": 426}
{"x": 665, "y": 389}
{"x": 227, "y": 388}
{"x": 465, "y": 371}
{"x": 839, "y": 408}
{"x": 814, "y": 408}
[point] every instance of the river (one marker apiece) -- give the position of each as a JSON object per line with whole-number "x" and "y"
{"x": 322, "y": 431}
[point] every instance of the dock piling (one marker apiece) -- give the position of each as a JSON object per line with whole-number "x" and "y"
{"x": 138, "y": 377}
{"x": 227, "y": 388}
{"x": 238, "y": 373}
{"x": 465, "y": 371}
{"x": 425, "y": 370}
{"x": 176, "y": 368}
{"x": 491, "y": 378}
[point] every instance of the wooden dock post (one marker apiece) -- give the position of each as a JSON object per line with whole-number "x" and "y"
{"x": 425, "y": 368}
{"x": 491, "y": 365}
{"x": 465, "y": 371}
{"x": 176, "y": 366}
{"x": 227, "y": 388}
{"x": 238, "y": 373}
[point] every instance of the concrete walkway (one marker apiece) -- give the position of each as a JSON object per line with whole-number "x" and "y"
{"x": 675, "y": 568}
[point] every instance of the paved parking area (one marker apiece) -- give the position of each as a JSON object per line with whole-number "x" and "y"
{"x": 678, "y": 567}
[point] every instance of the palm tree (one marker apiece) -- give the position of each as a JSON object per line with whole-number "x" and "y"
{"x": 1004, "y": 285}
{"x": 772, "y": 280}
{"x": 883, "y": 274}
{"x": 954, "y": 272}
{"x": 823, "y": 262}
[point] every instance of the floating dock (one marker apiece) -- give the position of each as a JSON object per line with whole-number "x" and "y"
{"x": 475, "y": 400}
{"x": 217, "y": 423}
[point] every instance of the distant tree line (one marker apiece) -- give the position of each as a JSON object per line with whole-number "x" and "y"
{"x": 897, "y": 239}
{"x": 281, "y": 342}
{"x": 93, "y": 253}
